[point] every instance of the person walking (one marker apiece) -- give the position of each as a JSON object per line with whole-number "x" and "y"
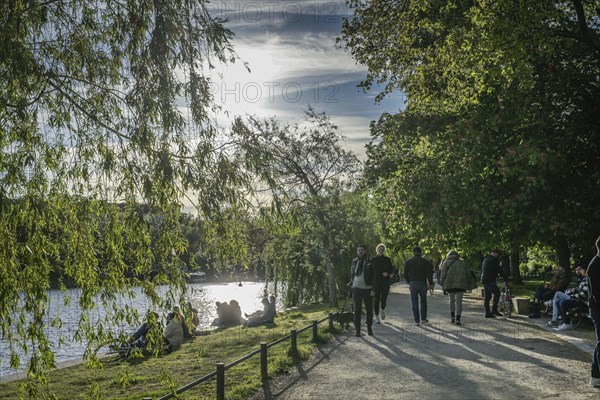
{"x": 593, "y": 273}
{"x": 361, "y": 284}
{"x": 455, "y": 280}
{"x": 418, "y": 273}
{"x": 383, "y": 271}
{"x": 490, "y": 269}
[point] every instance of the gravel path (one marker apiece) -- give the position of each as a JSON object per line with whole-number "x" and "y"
{"x": 515, "y": 358}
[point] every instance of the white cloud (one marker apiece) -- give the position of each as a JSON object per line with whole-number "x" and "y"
{"x": 291, "y": 51}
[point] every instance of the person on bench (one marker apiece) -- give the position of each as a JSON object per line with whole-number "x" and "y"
{"x": 578, "y": 298}
{"x": 544, "y": 292}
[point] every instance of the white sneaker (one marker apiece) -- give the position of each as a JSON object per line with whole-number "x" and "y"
{"x": 377, "y": 319}
{"x": 382, "y": 314}
{"x": 595, "y": 382}
{"x": 565, "y": 327}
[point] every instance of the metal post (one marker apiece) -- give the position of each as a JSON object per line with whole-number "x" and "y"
{"x": 220, "y": 381}
{"x": 330, "y": 322}
{"x": 263, "y": 361}
{"x": 294, "y": 341}
{"x": 315, "y": 331}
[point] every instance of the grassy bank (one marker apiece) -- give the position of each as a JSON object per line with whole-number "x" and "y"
{"x": 155, "y": 377}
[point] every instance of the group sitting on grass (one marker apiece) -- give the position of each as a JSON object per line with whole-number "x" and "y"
{"x": 231, "y": 314}
{"x": 228, "y": 314}
{"x": 151, "y": 336}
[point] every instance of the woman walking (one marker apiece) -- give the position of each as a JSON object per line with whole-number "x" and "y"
{"x": 383, "y": 271}
{"x": 455, "y": 281}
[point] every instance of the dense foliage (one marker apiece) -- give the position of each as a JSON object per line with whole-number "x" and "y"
{"x": 103, "y": 106}
{"x": 498, "y": 144}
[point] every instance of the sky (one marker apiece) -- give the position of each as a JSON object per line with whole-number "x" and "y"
{"x": 290, "y": 49}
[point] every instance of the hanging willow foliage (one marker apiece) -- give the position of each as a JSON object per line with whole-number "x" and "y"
{"x": 104, "y": 125}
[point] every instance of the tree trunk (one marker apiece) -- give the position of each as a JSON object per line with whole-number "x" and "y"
{"x": 515, "y": 271}
{"x": 564, "y": 253}
{"x": 332, "y": 286}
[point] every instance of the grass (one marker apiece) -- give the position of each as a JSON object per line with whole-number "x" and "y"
{"x": 527, "y": 289}
{"x": 154, "y": 377}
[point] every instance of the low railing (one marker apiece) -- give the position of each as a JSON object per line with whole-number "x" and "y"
{"x": 219, "y": 373}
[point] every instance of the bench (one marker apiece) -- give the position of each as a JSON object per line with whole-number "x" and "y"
{"x": 521, "y": 305}
{"x": 578, "y": 315}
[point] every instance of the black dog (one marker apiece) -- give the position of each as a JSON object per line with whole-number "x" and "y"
{"x": 344, "y": 318}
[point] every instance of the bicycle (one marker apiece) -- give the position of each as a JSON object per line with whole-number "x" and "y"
{"x": 505, "y": 304}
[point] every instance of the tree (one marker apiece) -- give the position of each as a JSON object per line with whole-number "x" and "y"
{"x": 511, "y": 94}
{"x": 307, "y": 168}
{"x": 103, "y": 104}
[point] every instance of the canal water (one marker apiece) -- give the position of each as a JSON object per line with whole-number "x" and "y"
{"x": 203, "y": 296}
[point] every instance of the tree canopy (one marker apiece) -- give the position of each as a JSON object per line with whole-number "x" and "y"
{"x": 498, "y": 144}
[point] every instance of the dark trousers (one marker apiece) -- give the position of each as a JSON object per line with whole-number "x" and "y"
{"x": 543, "y": 293}
{"x": 595, "y": 316}
{"x": 141, "y": 332}
{"x": 418, "y": 291}
{"x": 381, "y": 295}
{"x": 490, "y": 289}
{"x": 361, "y": 296}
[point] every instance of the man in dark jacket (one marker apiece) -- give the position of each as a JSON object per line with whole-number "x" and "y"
{"x": 418, "y": 272}
{"x": 593, "y": 273}
{"x": 490, "y": 269}
{"x": 361, "y": 283}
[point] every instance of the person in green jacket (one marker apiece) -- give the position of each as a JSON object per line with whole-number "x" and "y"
{"x": 455, "y": 280}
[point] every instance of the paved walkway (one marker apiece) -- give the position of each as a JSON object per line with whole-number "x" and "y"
{"x": 482, "y": 359}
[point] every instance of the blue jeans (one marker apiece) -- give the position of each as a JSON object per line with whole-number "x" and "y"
{"x": 418, "y": 288}
{"x": 565, "y": 305}
{"x": 360, "y": 296}
{"x": 488, "y": 290}
{"x": 595, "y": 316}
{"x": 558, "y": 296}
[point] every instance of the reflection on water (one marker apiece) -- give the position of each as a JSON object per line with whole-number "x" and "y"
{"x": 202, "y": 296}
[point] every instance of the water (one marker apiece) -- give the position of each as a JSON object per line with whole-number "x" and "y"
{"x": 202, "y": 296}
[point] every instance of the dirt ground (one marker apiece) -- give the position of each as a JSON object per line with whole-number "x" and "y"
{"x": 517, "y": 358}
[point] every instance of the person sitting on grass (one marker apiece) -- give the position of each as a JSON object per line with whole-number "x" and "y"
{"x": 173, "y": 334}
{"x": 266, "y": 316}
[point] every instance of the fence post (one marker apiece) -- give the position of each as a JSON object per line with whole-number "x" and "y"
{"x": 315, "y": 331}
{"x": 330, "y": 322}
{"x": 220, "y": 381}
{"x": 294, "y": 341}
{"x": 263, "y": 361}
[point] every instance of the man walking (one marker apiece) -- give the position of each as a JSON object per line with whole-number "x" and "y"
{"x": 361, "y": 283}
{"x": 418, "y": 272}
{"x": 490, "y": 269}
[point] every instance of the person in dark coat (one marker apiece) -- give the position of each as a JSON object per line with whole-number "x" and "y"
{"x": 593, "y": 273}
{"x": 361, "y": 284}
{"x": 490, "y": 269}
{"x": 383, "y": 271}
{"x": 418, "y": 272}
